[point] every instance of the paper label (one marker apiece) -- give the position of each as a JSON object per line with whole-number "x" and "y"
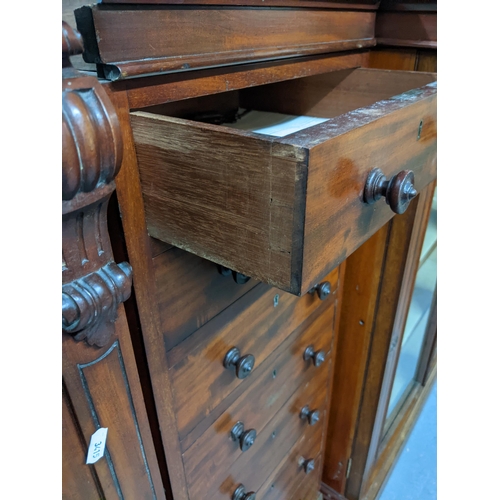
{"x": 97, "y": 445}
{"x": 276, "y": 124}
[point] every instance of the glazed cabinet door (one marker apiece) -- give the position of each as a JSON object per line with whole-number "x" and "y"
{"x": 101, "y": 387}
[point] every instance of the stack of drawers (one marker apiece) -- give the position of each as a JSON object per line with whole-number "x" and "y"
{"x": 245, "y": 361}
{"x": 237, "y": 376}
{"x": 251, "y": 385}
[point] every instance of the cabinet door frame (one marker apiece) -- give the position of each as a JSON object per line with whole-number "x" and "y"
{"x": 388, "y": 436}
{"x": 377, "y": 291}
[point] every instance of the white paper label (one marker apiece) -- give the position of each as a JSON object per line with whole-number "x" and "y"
{"x": 276, "y": 124}
{"x": 97, "y": 445}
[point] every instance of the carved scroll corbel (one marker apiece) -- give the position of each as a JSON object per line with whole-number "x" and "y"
{"x": 93, "y": 285}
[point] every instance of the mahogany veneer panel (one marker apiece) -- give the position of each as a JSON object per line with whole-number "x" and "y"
{"x": 256, "y": 407}
{"x": 409, "y": 5}
{"x": 79, "y": 480}
{"x": 190, "y": 291}
{"x": 288, "y": 210}
{"x": 175, "y": 87}
{"x": 158, "y": 247}
{"x": 104, "y": 384}
{"x": 324, "y": 4}
{"x": 128, "y": 42}
{"x": 290, "y": 481}
{"x": 285, "y": 429}
{"x": 407, "y": 29}
{"x": 272, "y": 444}
{"x": 254, "y": 325}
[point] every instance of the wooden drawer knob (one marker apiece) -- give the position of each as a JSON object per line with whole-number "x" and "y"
{"x": 246, "y": 438}
{"x": 317, "y": 356}
{"x": 312, "y": 416}
{"x": 398, "y": 190}
{"x": 241, "y": 494}
{"x": 306, "y": 465}
{"x": 243, "y": 364}
{"x": 238, "y": 278}
{"x": 322, "y": 290}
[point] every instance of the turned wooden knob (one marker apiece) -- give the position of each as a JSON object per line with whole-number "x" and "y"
{"x": 243, "y": 364}
{"x": 238, "y": 278}
{"x": 312, "y": 416}
{"x": 241, "y": 494}
{"x": 307, "y": 465}
{"x": 398, "y": 190}
{"x": 317, "y": 356}
{"x": 245, "y": 438}
{"x": 322, "y": 289}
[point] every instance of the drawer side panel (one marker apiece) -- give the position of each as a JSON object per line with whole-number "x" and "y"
{"x": 227, "y": 197}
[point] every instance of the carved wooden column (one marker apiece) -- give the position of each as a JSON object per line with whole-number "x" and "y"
{"x": 101, "y": 386}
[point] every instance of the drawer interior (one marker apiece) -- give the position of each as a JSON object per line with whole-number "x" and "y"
{"x": 321, "y": 96}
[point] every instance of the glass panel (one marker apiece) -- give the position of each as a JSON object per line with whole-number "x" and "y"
{"x": 418, "y": 314}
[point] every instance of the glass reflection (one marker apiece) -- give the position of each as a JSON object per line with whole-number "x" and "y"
{"x": 418, "y": 315}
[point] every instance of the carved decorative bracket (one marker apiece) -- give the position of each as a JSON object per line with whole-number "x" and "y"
{"x": 93, "y": 284}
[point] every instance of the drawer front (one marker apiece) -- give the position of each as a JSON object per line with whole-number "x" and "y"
{"x": 290, "y": 481}
{"x": 254, "y": 466}
{"x": 190, "y": 291}
{"x": 256, "y": 324}
{"x": 258, "y": 404}
{"x": 288, "y": 210}
{"x": 337, "y": 220}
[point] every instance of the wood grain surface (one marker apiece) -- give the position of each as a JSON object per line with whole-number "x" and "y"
{"x": 324, "y": 4}
{"x": 337, "y": 223}
{"x": 393, "y": 58}
{"x": 139, "y": 251}
{"x": 190, "y": 291}
{"x": 155, "y": 90}
{"x": 241, "y": 389}
{"x": 79, "y": 481}
{"x": 409, "y": 5}
{"x": 257, "y": 406}
{"x": 407, "y": 29}
{"x": 128, "y": 42}
{"x": 101, "y": 386}
{"x": 331, "y": 94}
{"x": 386, "y": 303}
{"x": 290, "y": 481}
{"x": 427, "y": 60}
{"x": 287, "y": 235}
{"x": 372, "y": 287}
{"x": 272, "y": 443}
{"x": 214, "y": 202}
{"x": 419, "y": 226}
{"x": 104, "y": 388}
{"x": 254, "y": 325}
{"x": 362, "y": 277}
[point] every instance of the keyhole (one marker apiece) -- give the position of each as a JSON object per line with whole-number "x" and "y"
{"x": 420, "y": 129}
{"x": 276, "y": 300}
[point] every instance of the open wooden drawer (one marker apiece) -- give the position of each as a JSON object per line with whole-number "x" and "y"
{"x": 287, "y": 210}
